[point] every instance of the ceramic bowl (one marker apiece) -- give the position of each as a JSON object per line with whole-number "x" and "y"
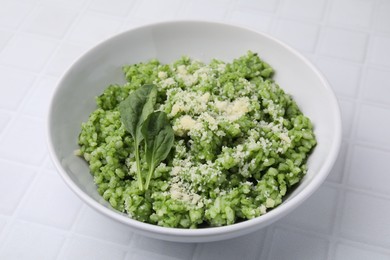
{"x": 74, "y": 100}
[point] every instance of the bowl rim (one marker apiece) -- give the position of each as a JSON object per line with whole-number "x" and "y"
{"x": 270, "y": 216}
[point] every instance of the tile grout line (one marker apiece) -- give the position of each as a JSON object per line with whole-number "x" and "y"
{"x": 358, "y": 101}
{"x": 38, "y": 75}
{"x": 71, "y": 232}
{"x": 232, "y": 6}
{"x": 336, "y": 231}
{"x": 85, "y": 46}
{"x": 130, "y": 246}
{"x": 264, "y": 251}
{"x": 66, "y": 34}
{"x": 324, "y": 24}
{"x": 17, "y": 110}
{"x": 14, "y": 215}
{"x": 275, "y": 18}
{"x": 18, "y": 113}
{"x": 17, "y": 29}
{"x": 89, "y": 45}
{"x": 367, "y": 244}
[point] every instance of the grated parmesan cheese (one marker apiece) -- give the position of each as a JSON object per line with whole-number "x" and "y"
{"x": 162, "y": 75}
{"x": 186, "y": 122}
{"x": 233, "y": 110}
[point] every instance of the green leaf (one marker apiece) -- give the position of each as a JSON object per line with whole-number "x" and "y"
{"x": 134, "y": 110}
{"x": 159, "y": 137}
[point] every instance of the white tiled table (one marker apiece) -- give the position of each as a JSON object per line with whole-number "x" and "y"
{"x": 349, "y": 216}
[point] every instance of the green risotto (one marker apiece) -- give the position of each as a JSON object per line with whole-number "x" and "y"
{"x": 238, "y": 143}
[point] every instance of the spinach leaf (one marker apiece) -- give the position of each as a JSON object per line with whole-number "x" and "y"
{"x": 159, "y": 137}
{"x": 134, "y": 110}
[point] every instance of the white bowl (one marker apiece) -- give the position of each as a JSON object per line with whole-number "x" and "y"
{"x": 74, "y": 100}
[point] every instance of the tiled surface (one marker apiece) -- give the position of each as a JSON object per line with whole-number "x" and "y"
{"x": 347, "y": 218}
